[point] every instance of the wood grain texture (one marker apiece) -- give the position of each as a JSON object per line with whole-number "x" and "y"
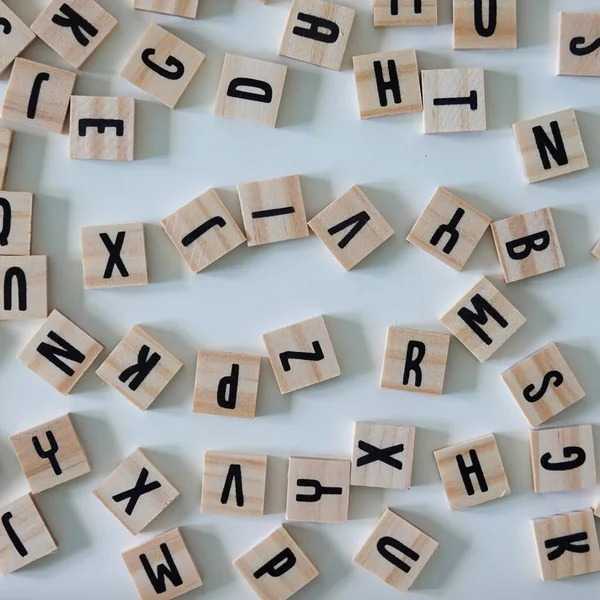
{"x": 578, "y": 32}
{"x": 179, "y": 8}
{"x": 16, "y": 40}
{"x": 25, "y": 285}
{"x": 20, "y": 207}
{"x": 484, "y": 30}
{"x": 6, "y": 136}
{"x": 404, "y": 13}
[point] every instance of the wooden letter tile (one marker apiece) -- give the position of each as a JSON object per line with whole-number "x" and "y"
{"x": 394, "y": 13}
{"x": 24, "y": 282}
{"x": 178, "y": 8}
{"x": 472, "y": 472}
{"x": 16, "y": 36}
{"x": 396, "y": 551}
{"x": 579, "y": 53}
{"x": 6, "y": 136}
{"x": 486, "y": 25}
{"x": 16, "y": 210}
{"x": 483, "y": 320}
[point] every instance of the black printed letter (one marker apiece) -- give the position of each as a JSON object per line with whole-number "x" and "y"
{"x": 278, "y": 565}
{"x": 234, "y": 477}
{"x": 522, "y": 247}
{"x": 77, "y": 24}
{"x": 50, "y": 454}
{"x": 114, "y": 255}
{"x": 229, "y": 382}
{"x": 552, "y": 377}
{"x": 393, "y": 84}
{"x": 163, "y": 572}
{"x": 53, "y": 354}
{"x": 137, "y": 491}
{"x": 451, "y": 230}
{"x": 382, "y": 548}
{"x": 265, "y": 93}
{"x": 101, "y": 125}
{"x": 319, "y": 492}
{"x": 146, "y": 362}
{"x": 18, "y": 274}
{"x": 566, "y": 543}
{"x": 170, "y": 61}
{"x": 191, "y": 237}
{"x": 575, "y": 452}
{"x": 315, "y": 32}
{"x": 357, "y": 222}
{"x": 480, "y": 28}
{"x": 315, "y": 356}
{"x": 34, "y": 97}
{"x": 413, "y": 360}
{"x": 12, "y": 534}
{"x": 6, "y": 221}
{"x": 475, "y": 319}
{"x": 545, "y": 145}
{"x": 474, "y": 469}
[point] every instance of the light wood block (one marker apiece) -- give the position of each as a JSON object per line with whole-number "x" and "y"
{"x": 226, "y": 384}
{"x": 139, "y": 368}
{"x": 162, "y": 568}
{"x": 273, "y": 210}
{"x": 114, "y": 256}
{"x": 24, "y": 535}
{"x": 578, "y": 49}
{"x": 276, "y": 568}
{"x": 402, "y": 13}
{"x": 550, "y": 146}
{"x": 24, "y": 287}
{"x": 317, "y": 32}
{"x": 527, "y": 245}
{"x": 6, "y": 136}
{"x": 136, "y": 492}
{"x": 203, "y": 231}
{"x": 396, "y": 551}
{"x": 60, "y": 352}
{"x": 16, "y": 36}
{"x": 483, "y": 320}
{"x": 102, "y": 128}
{"x": 301, "y": 355}
{"x": 74, "y": 28}
{"x": 567, "y": 545}
{"x": 16, "y": 213}
{"x": 178, "y": 8}
{"x": 596, "y": 250}
{"x": 472, "y": 472}
{"x": 163, "y": 65}
{"x": 543, "y": 385}
{"x": 449, "y": 229}
{"x": 234, "y": 484}
{"x": 50, "y": 454}
{"x": 453, "y": 100}
{"x": 563, "y": 459}
{"x": 250, "y": 90}
{"x": 318, "y": 490}
{"x": 485, "y": 24}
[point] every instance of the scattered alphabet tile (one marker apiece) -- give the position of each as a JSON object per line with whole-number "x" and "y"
{"x": 60, "y": 352}
{"x": 139, "y": 368}
{"x": 543, "y": 385}
{"x": 203, "y": 231}
{"x": 163, "y": 65}
{"x": 250, "y": 90}
{"x": 16, "y": 210}
{"x": 472, "y": 472}
{"x": 25, "y": 285}
{"x": 276, "y": 568}
{"x": 449, "y": 229}
{"x": 567, "y": 544}
{"x": 226, "y": 384}
{"x": 6, "y": 136}
{"x": 483, "y": 320}
{"x": 301, "y": 355}
{"x": 136, "y": 492}
{"x": 178, "y": 8}
{"x": 162, "y": 567}
{"x": 50, "y": 454}
{"x": 550, "y": 146}
{"x": 485, "y": 25}
{"x": 596, "y": 250}
{"x": 318, "y": 490}
{"x": 317, "y": 32}
{"x": 16, "y": 36}
{"x": 402, "y": 13}
{"x": 396, "y": 551}
{"x": 579, "y": 52}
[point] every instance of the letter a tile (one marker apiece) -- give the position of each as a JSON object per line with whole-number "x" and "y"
{"x": 178, "y": 8}
{"x": 16, "y": 36}
{"x": 579, "y": 48}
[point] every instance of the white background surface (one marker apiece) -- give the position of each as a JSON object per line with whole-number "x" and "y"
{"x": 487, "y": 551}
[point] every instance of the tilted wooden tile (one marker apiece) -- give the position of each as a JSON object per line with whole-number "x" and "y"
{"x": 136, "y": 492}
{"x": 139, "y": 368}
{"x": 543, "y": 385}
{"x": 250, "y": 90}
{"x": 393, "y": 13}
{"x": 449, "y": 229}
{"x": 562, "y": 459}
{"x": 6, "y": 136}
{"x": 596, "y": 250}
{"x": 226, "y": 384}
{"x": 50, "y": 454}
{"x": 163, "y": 65}
{"x": 179, "y": 8}
{"x": 317, "y": 32}
{"x": 550, "y": 146}
{"x": 483, "y": 320}
{"x": 472, "y": 472}
{"x": 578, "y": 49}
{"x": 453, "y": 100}
{"x": 396, "y": 551}
{"x": 203, "y": 231}
{"x": 16, "y": 36}
{"x": 567, "y": 545}
{"x": 276, "y": 568}
{"x": 60, "y": 352}
{"x": 25, "y": 285}
{"x": 301, "y": 355}
{"x": 318, "y": 490}
{"x": 74, "y": 28}
{"x": 162, "y": 568}
{"x": 489, "y": 25}
{"x": 24, "y": 535}
{"x": 16, "y": 211}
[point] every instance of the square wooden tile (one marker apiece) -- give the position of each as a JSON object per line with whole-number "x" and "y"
{"x": 136, "y": 492}
{"x": 25, "y": 287}
{"x": 16, "y": 36}
{"x": 162, "y": 567}
{"x": 550, "y": 146}
{"x": 276, "y": 568}
{"x": 301, "y": 355}
{"x": 543, "y": 385}
{"x": 16, "y": 212}
{"x": 50, "y": 454}
{"x": 74, "y": 28}
{"x": 483, "y": 320}
{"x": 563, "y": 459}
{"x": 317, "y": 32}
{"x": 394, "y": 13}
{"x": 163, "y": 65}
{"x": 178, "y": 8}
{"x": 396, "y": 551}
{"x": 226, "y": 384}
{"x": 578, "y": 51}
{"x": 6, "y": 136}
{"x": 139, "y": 368}
{"x": 102, "y": 128}
{"x": 449, "y": 229}
{"x": 250, "y": 90}
{"x": 203, "y": 231}
{"x": 318, "y": 490}
{"x": 24, "y": 536}
{"x": 485, "y": 25}
{"x": 60, "y": 352}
